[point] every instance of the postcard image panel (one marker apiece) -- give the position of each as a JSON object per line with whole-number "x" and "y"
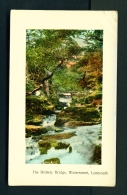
{"x": 62, "y": 113}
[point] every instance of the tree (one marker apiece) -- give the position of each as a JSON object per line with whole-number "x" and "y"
{"x": 45, "y": 48}
{"x": 47, "y": 51}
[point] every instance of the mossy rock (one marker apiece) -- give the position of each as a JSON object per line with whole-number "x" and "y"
{"x": 37, "y": 138}
{"x": 34, "y": 123}
{"x": 35, "y": 130}
{"x": 44, "y": 146}
{"x": 100, "y": 134}
{"x": 62, "y": 145}
{"x": 57, "y": 130}
{"x": 53, "y": 137}
{"x": 34, "y": 119}
{"x": 61, "y": 121}
{"x": 43, "y": 150}
{"x": 77, "y": 116}
{"x": 97, "y": 154}
{"x": 38, "y": 105}
{"x": 69, "y": 149}
{"x": 79, "y": 123}
{"x": 27, "y": 135}
{"x": 52, "y": 161}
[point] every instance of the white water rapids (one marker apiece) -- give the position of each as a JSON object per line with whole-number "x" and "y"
{"x": 82, "y": 147}
{"x": 82, "y": 144}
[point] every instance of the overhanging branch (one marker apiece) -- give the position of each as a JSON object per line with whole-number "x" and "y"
{"x": 46, "y": 78}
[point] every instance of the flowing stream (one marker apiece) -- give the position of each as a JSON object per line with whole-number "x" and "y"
{"x": 82, "y": 144}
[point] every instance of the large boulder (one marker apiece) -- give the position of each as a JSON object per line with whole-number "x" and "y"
{"x": 33, "y": 119}
{"x": 61, "y": 121}
{"x": 34, "y": 130}
{"x": 78, "y": 116}
{"x": 38, "y": 105}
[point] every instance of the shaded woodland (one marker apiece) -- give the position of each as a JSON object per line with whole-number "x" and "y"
{"x": 64, "y": 62}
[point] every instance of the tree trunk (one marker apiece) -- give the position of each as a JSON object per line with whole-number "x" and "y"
{"x": 46, "y": 88}
{"x": 82, "y": 82}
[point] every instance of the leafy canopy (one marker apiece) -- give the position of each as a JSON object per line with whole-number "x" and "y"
{"x": 78, "y": 49}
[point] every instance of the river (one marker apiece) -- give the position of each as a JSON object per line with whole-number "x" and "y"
{"x": 82, "y": 144}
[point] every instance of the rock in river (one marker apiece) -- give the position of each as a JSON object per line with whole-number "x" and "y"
{"x": 52, "y": 161}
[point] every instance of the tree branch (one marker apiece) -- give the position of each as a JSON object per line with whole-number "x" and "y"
{"x": 36, "y": 89}
{"x": 46, "y": 78}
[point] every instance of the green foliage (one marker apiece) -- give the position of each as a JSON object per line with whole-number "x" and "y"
{"x": 30, "y": 85}
{"x": 45, "y": 48}
{"x": 94, "y": 96}
{"x": 38, "y": 105}
{"x": 66, "y": 80}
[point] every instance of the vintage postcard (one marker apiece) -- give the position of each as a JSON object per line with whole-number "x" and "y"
{"x": 62, "y": 99}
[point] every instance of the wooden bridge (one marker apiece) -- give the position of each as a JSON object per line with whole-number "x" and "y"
{"x": 70, "y": 93}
